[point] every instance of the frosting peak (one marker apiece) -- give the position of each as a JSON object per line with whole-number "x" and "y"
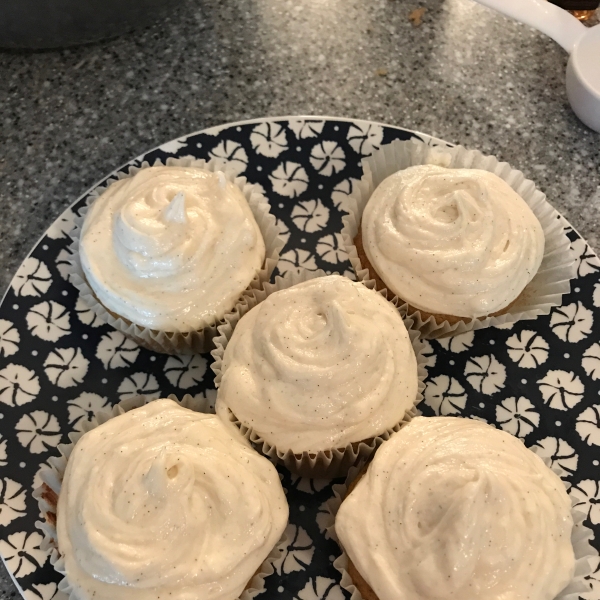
{"x": 452, "y": 241}
{"x": 319, "y": 365}
{"x": 454, "y": 509}
{"x": 171, "y": 248}
{"x": 164, "y": 502}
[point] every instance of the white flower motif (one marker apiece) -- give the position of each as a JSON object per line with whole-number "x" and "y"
{"x": 331, "y": 248}
{"x": 295, "y": 260}
{"x": 324, "y": 518}
{"x": 42, "y": 591}
{"x": 139, "y": 384}
{"x": 115, "y": 350}
{"x": 561, "y": 455}
{"x": 299, "y": 552}
{"x": 306, "y": 129}
{"x": 309, "y": 485}
{"x": 328, "y": 158}
{"x": 587, "y": 261}
{"x": 572, "y": 323}
{"x": 458, "y": 343}
{"x": 596, "y": 298}
{"x": 12, "y": 501}
{"x": 561, "y": 389}
{"x": 429, "y": 353}
{"x": 588, "y": 425}
{"x": 86, "y": 315}
{"x": 593, "y": 579}
{"x": 321, "y": 588}
{"x": 517, "y": 416}
{"x": 289, "y": 179}
{"x": 9, "y": 338}
{"x": 66, "y": 367}
{"x": 365, "y": 138}
{"x": 485, "y": 374}
{"x": 32, "y": 279}
{"x": 63, "y": 261}
{"x": 342, "y": 191}
{"x": 174, "y": 146}
{"x": 230, "y": 156}
{"x": 18, "y": 385}
{"x": 61, "y": 228}
{"x": 310, "y": 215}
{"x": 528, "y": 349}
{"x": 445, "y": 396}
{"x": 38, "y": 431}
{"x": 587, "y": 496}
{"x": 284, "y": 232}
{"x": 268, "y": 139}
{"x": 185, "y": 371}
{"x": 22, "y": 553}
{"x": 591, "y": 361}
{"x": 49, "y": 321}
{"x": 3, "y": 452}
{"x": 83, "y": 408}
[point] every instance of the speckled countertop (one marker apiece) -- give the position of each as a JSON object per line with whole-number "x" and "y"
{"x": 465, "y": 74}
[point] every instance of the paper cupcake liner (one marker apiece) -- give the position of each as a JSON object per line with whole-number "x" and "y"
{"x": 325, "y": 463}
{"x": 580, "y": 538}
{"x": 52, "y": 478}
{"x": 542, "y": 293}
{"x": 177, "y": 342}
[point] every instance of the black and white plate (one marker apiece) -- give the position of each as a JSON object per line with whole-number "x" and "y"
{"x": 539, "y": 380}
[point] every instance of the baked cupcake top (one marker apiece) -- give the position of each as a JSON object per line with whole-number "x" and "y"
{"x": 452, "y": 508}
{"x": 455, "y": 242}
{"x": 171, "y": 248}
{"x": 162, "y": 502}
{"x": 319, "y": 365}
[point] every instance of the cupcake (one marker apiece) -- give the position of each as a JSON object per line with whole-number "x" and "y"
{"x": 162, "y": 502}
{"x": 454, "y": 508}
{"x": 164, "y": 254}
{"x": 455, "y": 244}
{"x": 317, "y": 372}
{"x": 456, "y": 239}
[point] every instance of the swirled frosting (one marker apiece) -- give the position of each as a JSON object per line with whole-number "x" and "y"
{"x": 171, "y": 248}
{"x": 319, "y": 365}
{"x": 456, "y": 242}
{"x": 453, "y": 509}
{"x": 162, "y": 502}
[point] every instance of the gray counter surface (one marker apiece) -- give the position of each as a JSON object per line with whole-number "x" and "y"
{"x": 465, "y": 74}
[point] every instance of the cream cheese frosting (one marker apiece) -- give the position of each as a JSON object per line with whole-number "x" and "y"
{"x": 318, "y": 366}
{"x": 162, "y": 502}
{"x": 455, "y": 242}
{"x": 171, "y": 248}
{"x": 453, "y": 509}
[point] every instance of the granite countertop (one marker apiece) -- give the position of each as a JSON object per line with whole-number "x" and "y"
{"x": 465, "y": 74}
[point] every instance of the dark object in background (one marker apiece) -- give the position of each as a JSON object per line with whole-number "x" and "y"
{"x": 37, "y": 24}
{"x": 582, "y": 9}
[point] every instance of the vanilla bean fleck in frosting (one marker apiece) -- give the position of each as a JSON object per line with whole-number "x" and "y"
{"x": 171, "y": 248}
{"x": 162, "y": 502}
{"x": 453, "y": 509}
{"x": 458, "y": 242}
{"x": 318, "y": 366}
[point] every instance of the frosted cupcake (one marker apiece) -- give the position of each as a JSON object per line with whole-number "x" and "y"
{"x": 318, "y": 368}
{"x": 454, "y": 508}
{"x": 162, "y": 502}
{"x": 456, "y": 239}
{"x": 166, "y": 253}
{"x": 455, "y": 244}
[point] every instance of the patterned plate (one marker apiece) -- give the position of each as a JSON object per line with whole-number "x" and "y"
{"x": 539, "y": 380}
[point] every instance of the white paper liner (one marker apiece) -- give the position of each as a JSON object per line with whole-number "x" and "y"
{"x": 52, "y": 476}
{"x": 558, "y": 265}
{"x": 323, "y": 464}
{"x": 177, "y": 342}
{"x": 580, "y": 538}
